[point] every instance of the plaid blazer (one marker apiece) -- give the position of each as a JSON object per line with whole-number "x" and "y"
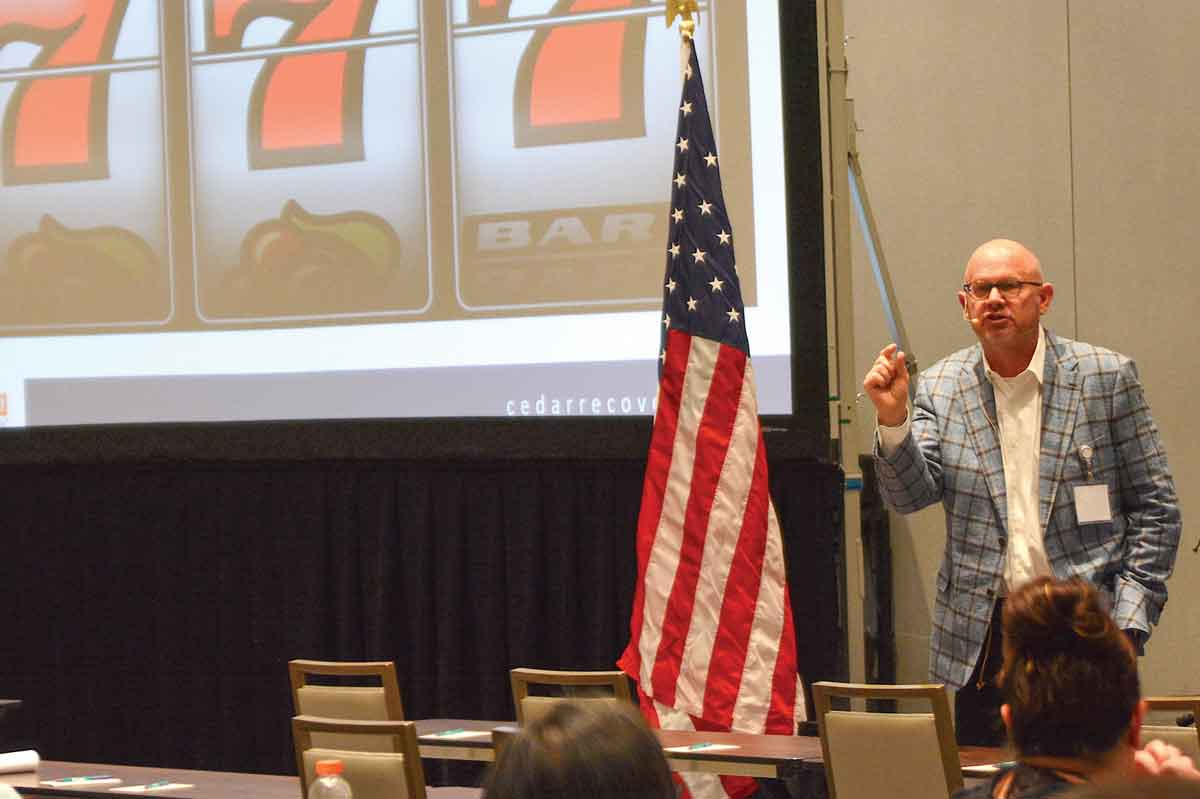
{"x": 1090, "y": 396}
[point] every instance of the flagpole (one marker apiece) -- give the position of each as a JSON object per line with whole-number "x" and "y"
{"x": 684, "y": 9}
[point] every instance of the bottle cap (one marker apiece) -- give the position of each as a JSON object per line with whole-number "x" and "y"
{"x": 327, "y": 767}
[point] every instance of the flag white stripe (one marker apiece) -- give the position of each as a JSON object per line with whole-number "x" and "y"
{"x": 668, "y": 539}
{"x": 720, "y": 545}
{"x": 801, "y": 708}
{"x": 701, "y": 786}
{"x": 758, "y": 675}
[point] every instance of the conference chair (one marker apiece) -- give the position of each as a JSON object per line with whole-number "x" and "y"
{"x": 378, "y": 702}
{"x": 394, "y": 772}
{"x": 583, "y": 687}
{"x": 869, "y": 754}
{"x": 1186, "y": 738}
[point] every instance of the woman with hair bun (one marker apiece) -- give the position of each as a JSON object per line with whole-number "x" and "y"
{"x": 1072, "y": 702}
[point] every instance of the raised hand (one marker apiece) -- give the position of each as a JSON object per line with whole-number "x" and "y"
{"x": 1158, "y": 759}
{"x": 886, "y": 384}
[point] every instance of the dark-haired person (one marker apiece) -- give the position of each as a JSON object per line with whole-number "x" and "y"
{"x": 1072, "y": 702}
{"x": 1047, "y": 462}
{"x": 582, "y": 752}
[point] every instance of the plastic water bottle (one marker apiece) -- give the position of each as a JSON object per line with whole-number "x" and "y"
{"x": 329, "y": 783}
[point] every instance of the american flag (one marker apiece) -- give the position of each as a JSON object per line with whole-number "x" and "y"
{"x": 712, "y": 644}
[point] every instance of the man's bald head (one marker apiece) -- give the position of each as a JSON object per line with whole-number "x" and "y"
{"x": 1004, "y": 251}
{"x": 1003, "y": 298}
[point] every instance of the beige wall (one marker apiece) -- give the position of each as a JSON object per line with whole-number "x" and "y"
{"x": 1071, "y": 126}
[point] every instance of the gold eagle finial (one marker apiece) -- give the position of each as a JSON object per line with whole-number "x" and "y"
{"x": 684, "y": 10}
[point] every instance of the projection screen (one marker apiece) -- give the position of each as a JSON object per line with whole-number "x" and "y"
{"x": 222, "y": 210}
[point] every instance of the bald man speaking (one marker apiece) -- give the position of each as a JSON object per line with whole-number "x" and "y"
{"x": 1044, "y": 455}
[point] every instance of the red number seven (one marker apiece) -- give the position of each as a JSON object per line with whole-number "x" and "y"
{"x": 485, "y": 11}
{"x": 307, "y": 108}
{"x": 582, "y": 82}
{"x": 56, "y": 128}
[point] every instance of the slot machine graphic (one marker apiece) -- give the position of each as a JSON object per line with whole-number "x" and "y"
{"x": 84, "y": 230}
{"x": 346, "y": 161}
{"x": 561, "y": 109}
{"x": 308, "y": 161}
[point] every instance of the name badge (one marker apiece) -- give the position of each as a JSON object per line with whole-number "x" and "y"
{"x": 1091, "y": 503}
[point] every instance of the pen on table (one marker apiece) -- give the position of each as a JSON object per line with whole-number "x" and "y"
{"x": 156, "y": 784}
{"x": 454, "y": 731}
{"x": 699, "y": 746}
{"x": 88, "y": 778}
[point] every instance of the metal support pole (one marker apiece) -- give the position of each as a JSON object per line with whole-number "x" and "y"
{"x": 847, "y": 193}
{"x": 843, "y": 380}
{"x": 870, "y": 233}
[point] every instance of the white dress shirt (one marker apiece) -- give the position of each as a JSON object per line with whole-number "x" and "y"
{"x": 1018, "y": 427}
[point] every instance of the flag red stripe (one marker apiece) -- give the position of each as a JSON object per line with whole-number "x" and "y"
{"x": 648, "y": 710}
{"x": 741, "y": 600}
{"x": 720, "y": 554}
{"x": 664, "y": 557}
{"x": 658, "y": 465}
{"x": 712, "y": 442}
{"x": 781, "y": 716}
{"x": 739, "y": 787}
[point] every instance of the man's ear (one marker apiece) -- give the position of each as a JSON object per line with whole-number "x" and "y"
{"x": 1045, "y": 297}
{"x": 1006, "y": 715}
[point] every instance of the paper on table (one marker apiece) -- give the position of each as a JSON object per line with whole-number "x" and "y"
{"x": 152, "y": 787}
{"x": 15, "y": 762}
{"x": 81, "y": 782}
{"x": 452, "y": 734}
{"x": 701, "y": 747}
{"x": 986, "y": 770}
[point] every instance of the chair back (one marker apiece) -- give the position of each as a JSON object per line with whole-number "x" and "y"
{"x": 360, "y": 702}
{"x": 582, "y": 687}
{"x": 394, "y": 773}
{"x": 870, "y": 754}
{"x": 1186, "y": 738}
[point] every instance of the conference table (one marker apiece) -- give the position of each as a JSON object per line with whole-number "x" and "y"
{"x": 795, "y": 758}
{"x": 207, "y": 784}
{"x": 204, "y": 784}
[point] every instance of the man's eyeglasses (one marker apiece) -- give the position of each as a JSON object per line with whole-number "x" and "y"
{"x": 1009, "y": 289}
